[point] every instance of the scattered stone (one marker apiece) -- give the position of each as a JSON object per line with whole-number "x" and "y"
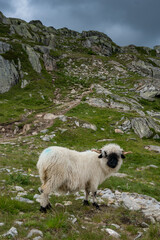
{"x": 141, "y": 127}
{"x": 12, "y": 232}
{"x": 44, "y": 131}
{"x": 115, "y": 225}
{"x": 59, "y": 205}
{"x": 24, "y": 83}
{"x": 49, "y": 116}
{"x": 118, "y": 131}
{"x": 106, "y": 140}
{"x": 97, "y": 102}
{"x": 149, "y": 206}
{"x": 26, "y": 128}
{"x": 21, "y": 199}
{"x": 138, "y": 236}
{"x": 146, "y": 167}
{"x": 18, "y": 223}
{"x": 37, "y": 197}
{"x": 119, "y": 106}
{"x": 89, "y": 126}
{"x": 47, "y": 138}
{"x": 35, "y": 133}
{"x": 19, "y": 189}
{"x": 62, "y": 118}
{"x": 156, "y": 137}
{"x": 121, "y": 175}
{"x": 153, "y": 148}
{"x": 37, "y": 238}
{"x": 24, "y": 193}
{"x": 112, "y": 233}
{"x": 1, "y": 224}
{"x": 35, "y": 232}
{"x": 77, "y": 123}
{"x": 73, "y": 219}
{"x": 73, "y": 91}
{"x": 67, "y": 203}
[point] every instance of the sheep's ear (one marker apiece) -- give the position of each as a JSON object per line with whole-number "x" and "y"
{"x": 122, "y": 156}
{"x": 100, "y": 156}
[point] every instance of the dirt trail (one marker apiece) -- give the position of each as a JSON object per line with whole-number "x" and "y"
{"x": 61, "y": 110}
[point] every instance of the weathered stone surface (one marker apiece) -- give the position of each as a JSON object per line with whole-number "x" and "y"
{"x": 153, "y": 148}
{"x": 33, "y": 58}
{"x": 3, "y": 19}
{"x": 20, "y": 27}
{"x": 4, "y": 47}
{"x": 119, "y": 106}
{"x": 49, "y": 116}
{"x": 49, "y": 62}
{"x": 24, "y": 83}
{"x": 112, "y": 233}
{"x": 149, "y": 206}
{"x": 145, "y": 69}
{"x": 34, "y": 232}
{"x": 89, "y": 126}
{"x": 11, "y": 233}
{"x": 101, "y": 90}
{"x": 8, "y": 75}
{"x": 97, "y": 102}
{"x": 141, "y": 127}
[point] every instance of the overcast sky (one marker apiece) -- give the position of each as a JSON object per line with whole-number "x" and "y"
{"x": 125, "y": 21}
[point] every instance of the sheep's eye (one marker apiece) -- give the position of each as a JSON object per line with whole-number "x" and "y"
{"x": 105, "y": 154}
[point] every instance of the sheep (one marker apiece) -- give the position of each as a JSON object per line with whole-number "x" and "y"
{"x": 61, "y": 169}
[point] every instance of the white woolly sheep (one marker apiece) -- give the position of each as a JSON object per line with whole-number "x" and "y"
{"x": 61, "y": 169}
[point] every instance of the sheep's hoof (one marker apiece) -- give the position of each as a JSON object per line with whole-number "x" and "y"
{"x": 43, "y": 209}
{"x": 49, "y": 206}
{"x": 85, "y": 203}
{"x": 96, "y": 205}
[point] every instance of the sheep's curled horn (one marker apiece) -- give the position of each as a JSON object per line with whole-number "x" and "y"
{"x": 100, "y": 151}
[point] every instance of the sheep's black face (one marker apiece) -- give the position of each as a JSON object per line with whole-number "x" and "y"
{"x": 112, "y": 159}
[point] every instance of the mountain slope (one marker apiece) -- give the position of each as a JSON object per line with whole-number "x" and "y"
{"x": 78, "y": 90}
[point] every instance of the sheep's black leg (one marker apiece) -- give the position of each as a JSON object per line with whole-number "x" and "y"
{"x": 95, "y": 204}
{"x": 43, "y": 209}
{"x": 85, "y": 203}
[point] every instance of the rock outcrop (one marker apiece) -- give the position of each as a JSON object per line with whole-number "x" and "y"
{"x": 9, "y": 75}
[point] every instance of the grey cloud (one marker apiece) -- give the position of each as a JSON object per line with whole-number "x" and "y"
{"x": 125, "y": 21}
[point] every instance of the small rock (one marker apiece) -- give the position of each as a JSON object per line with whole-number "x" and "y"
{"x": 73, "y": 91}
{"x": 1, "y": 224}
{"x": 67, "y": 203}
{"x": 12, "y": 232}
{"x": 153, "y": 148}
{"x": 34, "y": 232}
{"x": 49, "y": 116}
{"x": 89, "y": 126}
{"x": 19, "y": 189}
{"x": 34, "y": 133}
{"x": 63, "y": 118}
{"x": 115, "y": 225}
{"x": 21, "y": 199}
{"x": 59, "y": 205}
{"x": 138, "y": 236}
{"x": 24, "y": 83}
{"x": 44, "y": 131}
{"x": 37, "y": 238}
{"x": 18, "y": 223}
{"x": 121, "y": 175}
{"x": 112, "y": 233}
{"x": 118, "y": 131}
